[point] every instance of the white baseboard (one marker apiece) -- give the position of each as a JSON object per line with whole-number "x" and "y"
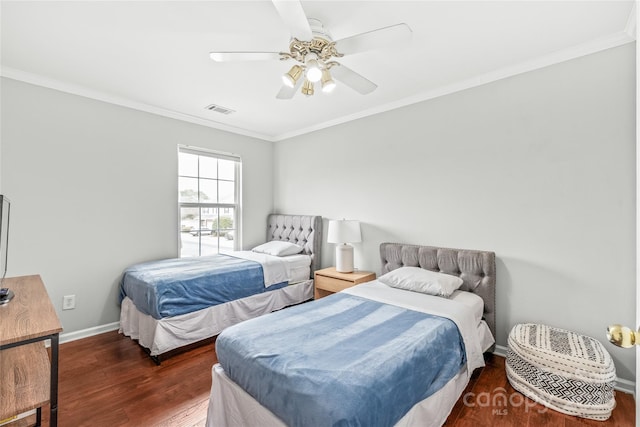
{"x": 622, "y": 385}
{"x": 500, "y": 351}
{"x": 89, "y": 332}
{"x": 626, "y": 386}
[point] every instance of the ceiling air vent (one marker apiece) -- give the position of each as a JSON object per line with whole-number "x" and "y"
{"x": 219, "y": 109}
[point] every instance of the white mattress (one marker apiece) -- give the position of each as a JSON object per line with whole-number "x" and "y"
{"x": 299, "y": 267}
{"x": 473, "y": 301}
{"x": 297, "y": 261}
{"x": 169, "y": 333}
{"x": 230, "y": 405}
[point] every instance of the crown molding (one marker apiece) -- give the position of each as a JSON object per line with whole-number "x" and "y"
{"x": 615, "y": 40}
{"x": 49, "y": 83}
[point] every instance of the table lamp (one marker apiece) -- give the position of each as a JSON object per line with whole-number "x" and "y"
{"x": 342, "y": 232}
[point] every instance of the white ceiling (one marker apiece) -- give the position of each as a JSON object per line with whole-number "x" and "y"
{"x": 154, "y": 56}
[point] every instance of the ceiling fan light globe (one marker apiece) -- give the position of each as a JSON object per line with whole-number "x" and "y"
{"x": 291, "y": 77}
{"x": 314, "y": 72}
{"x": 287, "y": 80}
{"x": 329, "y": 87}
{"x": 314, "y": 75}
{"x": 328, "y": 84}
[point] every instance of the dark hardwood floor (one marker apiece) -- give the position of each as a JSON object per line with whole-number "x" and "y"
{"x": 108, "y": 380}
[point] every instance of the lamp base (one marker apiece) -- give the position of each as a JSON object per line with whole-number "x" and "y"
{"x": 344, "y": 258}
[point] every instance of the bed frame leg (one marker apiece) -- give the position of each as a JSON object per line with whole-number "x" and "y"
{"x": 156, "y": 359}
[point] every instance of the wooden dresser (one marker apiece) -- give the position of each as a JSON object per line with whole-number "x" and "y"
{"x": 28, "y": 377}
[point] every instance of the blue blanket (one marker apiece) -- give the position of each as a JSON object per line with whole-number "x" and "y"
{"x": 177, "y": 286}
{"x": 342, "y": 360}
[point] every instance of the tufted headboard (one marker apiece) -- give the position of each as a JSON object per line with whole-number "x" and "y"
{"x": 303, "y": 230}
{"x": 477, "y": 269}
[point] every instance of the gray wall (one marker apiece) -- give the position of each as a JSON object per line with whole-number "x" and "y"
{"x": 539, "y": 168}
{"x": 94, "y": 189}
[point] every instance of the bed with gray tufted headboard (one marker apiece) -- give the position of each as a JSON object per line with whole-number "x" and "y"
{"x": 215, "y": 292}
{"x": 393, "y": 343}
{"x": 476, "y": 268}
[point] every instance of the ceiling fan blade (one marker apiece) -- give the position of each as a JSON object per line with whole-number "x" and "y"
{"x": 243, "y": 56}
{"x": 352, "y": 79}
{"x": 293, "y": 15}
{"x": 287, "y": 92}
{"x": 394, "y": 35}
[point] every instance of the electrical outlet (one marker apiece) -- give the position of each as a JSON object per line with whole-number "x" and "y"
{"x": 68, "y": 302}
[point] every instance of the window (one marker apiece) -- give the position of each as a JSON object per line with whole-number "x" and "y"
{"x": 209, "y": 201}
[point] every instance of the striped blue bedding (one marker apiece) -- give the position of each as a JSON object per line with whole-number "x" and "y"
{"x": 177, "y": 286}
{"x": 342, "y": 360}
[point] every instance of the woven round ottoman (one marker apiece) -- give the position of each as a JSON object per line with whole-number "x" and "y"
{"x": 565, "y": 371}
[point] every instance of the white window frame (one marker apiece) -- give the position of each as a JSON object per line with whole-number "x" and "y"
{"x": 237, "y": 240}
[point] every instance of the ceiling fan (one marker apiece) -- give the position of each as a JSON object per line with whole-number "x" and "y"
{"x": 315, "y": 53}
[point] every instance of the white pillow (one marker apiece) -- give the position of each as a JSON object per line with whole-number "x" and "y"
{"x": 278, "y": 248}
{"x": 420, "y": 280}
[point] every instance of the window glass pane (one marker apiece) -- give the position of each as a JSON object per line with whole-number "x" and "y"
{"x": 208, "y": 235}
{"x": 227, "y": 190}
{"x": 226, "y": 169}
{"x": 187, "y": 164}
{"x": 226, "y": 243}
{"x": 208, "y": 220}
{"x": 189, "y": 226}
{"x": 208, "y": 167}
{"x": 226, "y": 229}
{"x": 208, "y": 191}
{"x": 226, "y": 219}
{"x": 188, "y": 189}
{"x": 189, "y": 219}
{"x": 209, "y": 245}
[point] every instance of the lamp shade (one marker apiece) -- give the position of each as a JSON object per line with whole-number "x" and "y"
{"x": 344, "y": 231}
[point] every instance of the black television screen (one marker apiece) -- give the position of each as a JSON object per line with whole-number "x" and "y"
{"x": 5, "y": 207}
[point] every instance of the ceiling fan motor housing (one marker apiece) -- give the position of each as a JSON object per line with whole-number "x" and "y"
{"x": 321, "y": 45}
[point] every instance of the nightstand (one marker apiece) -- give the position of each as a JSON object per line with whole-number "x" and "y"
{"x": 328, "y": 281}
